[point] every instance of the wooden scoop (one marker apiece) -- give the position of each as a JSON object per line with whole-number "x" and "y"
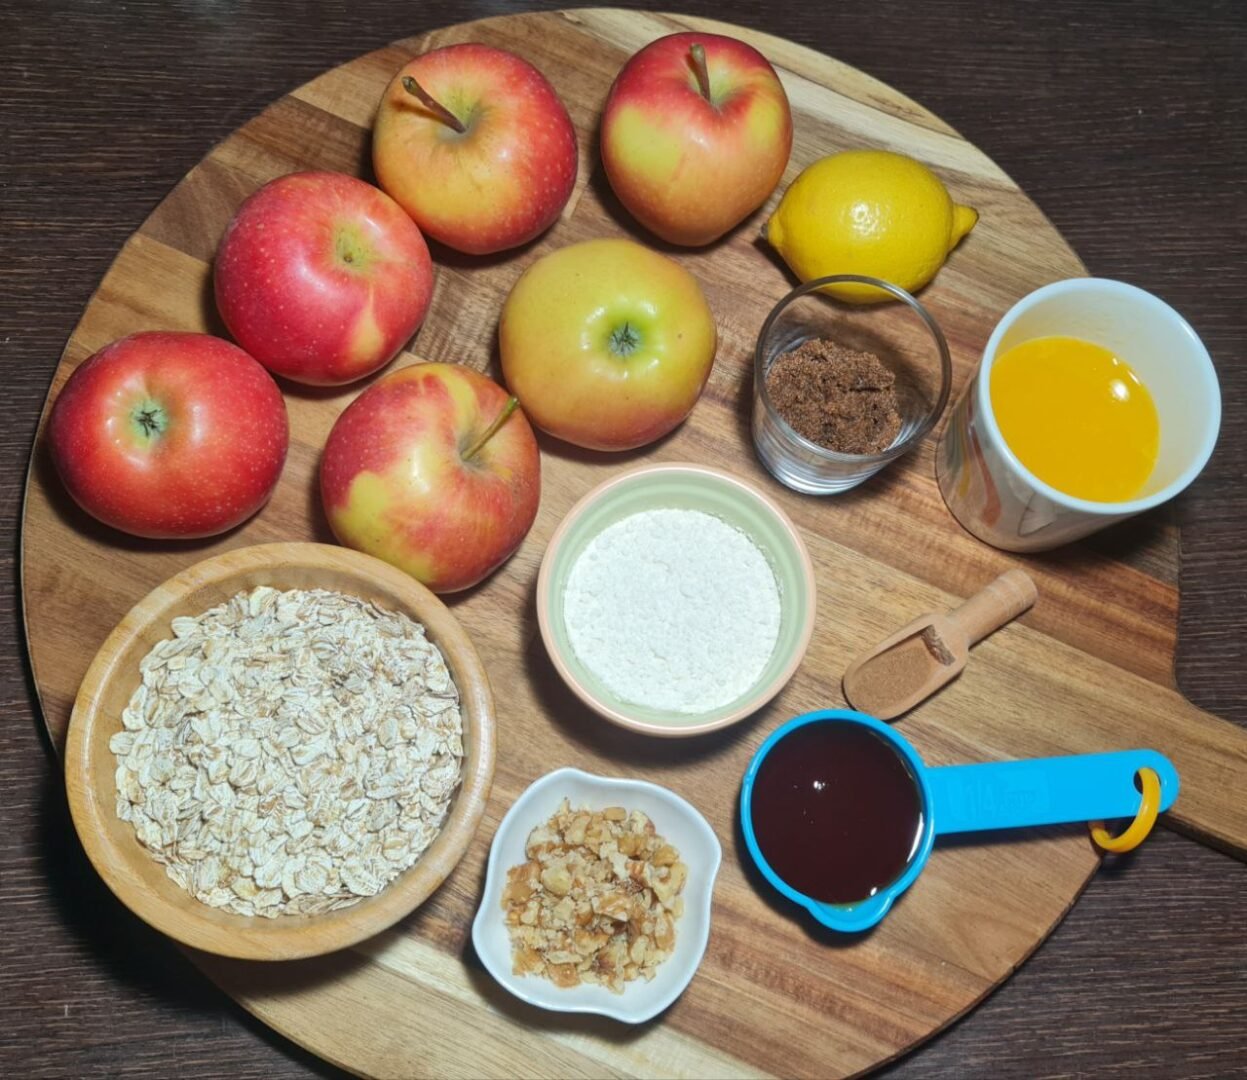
{"x": 931, "y": 651}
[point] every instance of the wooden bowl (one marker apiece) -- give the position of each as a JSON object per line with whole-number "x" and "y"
{"x": 130, "y": 870}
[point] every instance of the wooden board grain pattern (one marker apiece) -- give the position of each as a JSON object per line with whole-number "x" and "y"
{"x": 1088, "y": 668}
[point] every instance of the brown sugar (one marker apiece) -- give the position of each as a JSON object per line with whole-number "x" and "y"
{"x": 838, "y": 398}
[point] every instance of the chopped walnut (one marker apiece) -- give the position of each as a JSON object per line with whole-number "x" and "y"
{"x": 597, "y": 900}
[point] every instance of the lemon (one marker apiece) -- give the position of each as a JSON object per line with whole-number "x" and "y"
{"x": 869, "y": 212}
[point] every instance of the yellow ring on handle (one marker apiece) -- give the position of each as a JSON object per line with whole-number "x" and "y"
{"x": 1149, "y": 810}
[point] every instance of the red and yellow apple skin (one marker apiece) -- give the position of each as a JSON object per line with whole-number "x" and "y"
{"x": 169, "y": 435}
{"x": 395, "y": 483}
{"x": 322, "y": 277}
{"x": 687, "y": 168}
{"x": 606, "y": 343}
{"x": 496, "y": 185}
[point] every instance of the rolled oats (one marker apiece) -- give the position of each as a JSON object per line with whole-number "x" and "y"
{"x": 596, "y": 901}
{"x": 289, "y": 752}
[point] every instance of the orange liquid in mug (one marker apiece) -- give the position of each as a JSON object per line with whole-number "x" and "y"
{"x": 1077, "y": 416}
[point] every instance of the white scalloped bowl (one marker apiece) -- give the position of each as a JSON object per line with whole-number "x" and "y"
{"x": 675, "y": 819}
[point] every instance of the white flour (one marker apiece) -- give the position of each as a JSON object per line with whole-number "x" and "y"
{"x": 673, "y": 609}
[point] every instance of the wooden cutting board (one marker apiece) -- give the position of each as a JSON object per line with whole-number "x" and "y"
{"x": 1088, "y": 669}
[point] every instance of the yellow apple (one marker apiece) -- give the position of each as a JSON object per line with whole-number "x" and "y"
{"x": 606, "y": 343}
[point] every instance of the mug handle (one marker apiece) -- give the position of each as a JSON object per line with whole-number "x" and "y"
{"x": 1043, "y": 791}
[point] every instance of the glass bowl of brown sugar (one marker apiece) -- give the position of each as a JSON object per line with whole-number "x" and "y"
{"x": 841, "y": 389}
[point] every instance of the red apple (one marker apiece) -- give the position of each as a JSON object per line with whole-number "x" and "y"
{"x": 433, "y": 469}
{"x": 169, "y": 435}
{"x": 696, "y": 133}
{"x": 476, "y": 146}
{"x": 322, "y": 277}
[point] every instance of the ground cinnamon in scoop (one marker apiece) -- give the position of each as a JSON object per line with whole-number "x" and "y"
{"x": 838, "y": 398}
{"x": 896, "y": 674}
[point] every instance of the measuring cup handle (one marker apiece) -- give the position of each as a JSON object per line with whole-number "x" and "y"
{"x": 1043, "y": 791}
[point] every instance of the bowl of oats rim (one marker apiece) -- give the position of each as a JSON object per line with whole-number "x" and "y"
{"x": 281, "y": 751}
{"x": 661, "y": 860}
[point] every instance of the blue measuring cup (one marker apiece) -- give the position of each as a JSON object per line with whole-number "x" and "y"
{"x": 970, "y": 798}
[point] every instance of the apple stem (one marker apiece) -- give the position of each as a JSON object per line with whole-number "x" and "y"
{"x": 490, "y": 431}
{"x": 432, "y": 104}
{"x": 699, "y": 66}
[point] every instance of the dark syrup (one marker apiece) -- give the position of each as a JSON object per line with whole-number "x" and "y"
{"x": 836, "y": 811}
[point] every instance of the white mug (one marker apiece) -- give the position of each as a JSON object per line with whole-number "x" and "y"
{"x": 997, "y": 498}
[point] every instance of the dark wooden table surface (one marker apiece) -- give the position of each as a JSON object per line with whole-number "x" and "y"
{"x": 1126, "y": 122}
